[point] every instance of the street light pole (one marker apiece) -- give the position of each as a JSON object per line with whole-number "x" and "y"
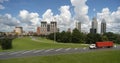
{"x": 54, "y": 30}
{"x": 54, "y": 34}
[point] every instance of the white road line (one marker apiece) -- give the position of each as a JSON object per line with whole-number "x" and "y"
{"x": 59, "y": 49}
{"x": 75, "y": 48}
{"x": 27, "y": 51}
{"x": 15, "y": 52}
{"x": 38, "y": 51}
{"x": 67, "y": 49}
{"x": 48, "y": 50}
{"x": 2, "y": 53}
{"x": 84, "y": 48}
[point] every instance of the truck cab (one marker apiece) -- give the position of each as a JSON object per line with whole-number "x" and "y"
{"x": 92, "y": 46}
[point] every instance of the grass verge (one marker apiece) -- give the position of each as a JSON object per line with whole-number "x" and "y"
{"x": 26, "y": 43}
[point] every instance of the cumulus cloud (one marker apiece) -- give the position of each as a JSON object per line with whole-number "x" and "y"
{"x": 112, "y": 19}
{"x": 48, "y": 16}
{"x": 63, "y": 19}
{"x": 29, "y": 18}
{"x": 7, "y": 19}
{"x": 81, "y": 11}
{"x": 8, "y": 22}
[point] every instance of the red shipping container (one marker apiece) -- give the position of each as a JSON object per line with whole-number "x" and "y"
{"x": 104, "y": 44}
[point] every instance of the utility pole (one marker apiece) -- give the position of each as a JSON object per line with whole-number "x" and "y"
{"x": 54, "y": 34}
{"x": 54, "y": 30}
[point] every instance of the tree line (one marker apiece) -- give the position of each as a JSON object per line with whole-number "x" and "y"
{"x": 78, "y": 37}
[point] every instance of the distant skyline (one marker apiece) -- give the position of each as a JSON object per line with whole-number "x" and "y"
{"x": 29, "y": 13}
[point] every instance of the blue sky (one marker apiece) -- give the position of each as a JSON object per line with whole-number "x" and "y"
{"x": 14, "y": 6}
{"x": 19, "y": 13}
{"x": 100, "y": 4}
{"x": 40, "y": 6}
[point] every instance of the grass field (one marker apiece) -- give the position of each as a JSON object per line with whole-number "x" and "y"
{"x": 26, "y": 43}
{"x": 89, "y": 57}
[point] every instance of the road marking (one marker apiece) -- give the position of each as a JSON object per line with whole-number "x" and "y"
{"x": 48, "y": 50}
{"x": 59, "y": 49}
{"x": 84, "y": 48}
{"x": 67, "y": 49}
{"x": 75, "y": 48}
{"x": 15, "y": 52}
{"x": 27, "y": 51}
{"x": 38, "y": 51}
{"x": 2, "y": 53}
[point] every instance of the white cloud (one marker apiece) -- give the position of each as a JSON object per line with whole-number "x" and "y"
{"x": 81, "y": 11}
{"x": 2, "y": 7}
{"x": 112, "y": 19}
{"x": 63, "y": 19}
{"x": 48, "y": 16}
{"x": 7, "y": 22}
{"x": 29, "y": 18}
{"x": 7, "y": 19}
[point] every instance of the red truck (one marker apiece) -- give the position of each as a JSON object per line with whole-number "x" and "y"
{"x": 104, "y": 44}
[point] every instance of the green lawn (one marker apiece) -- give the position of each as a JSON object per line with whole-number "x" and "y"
{"x": 26, "y": 43}
{"x": 89, "y": 57}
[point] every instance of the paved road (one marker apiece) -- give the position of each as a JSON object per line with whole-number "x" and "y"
{"x": 45, "y": 52}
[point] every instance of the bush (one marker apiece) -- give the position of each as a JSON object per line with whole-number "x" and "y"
{"x": 6, "y": 43}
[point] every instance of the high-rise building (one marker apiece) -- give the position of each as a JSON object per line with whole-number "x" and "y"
{"x": 43, "y": 27}
{"x": 69, "y": 30}
{"x": 78, "y": 25}
{"x": 103, "y": 26}
{"x": 94, "y": 28}
{"x": 48, "y": 28}
{"x": 18, "y": 30}
{"x": 53, "y": 26}
{"x": 38, "y": 30}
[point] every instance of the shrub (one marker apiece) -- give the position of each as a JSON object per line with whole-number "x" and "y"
{"x": 6, "y": 43}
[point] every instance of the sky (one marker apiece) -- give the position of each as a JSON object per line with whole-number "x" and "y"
{"x": 29, "y": 14}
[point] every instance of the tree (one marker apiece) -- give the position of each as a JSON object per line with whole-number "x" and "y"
{"x": 110, "y": 36}
{"x": 117, "y": 40}
{"x": 65, "y": 37}
{"x": 93, "y": 38}
{"x": 104, "y": 38}
{"x": 58, "y": 37}
{"x": 76, "y": 36}
{"x": 51, "y": 36}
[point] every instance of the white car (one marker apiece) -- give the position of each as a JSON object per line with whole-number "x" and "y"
{"x": 115, "y": 46}
{"x": 92, "y": 46}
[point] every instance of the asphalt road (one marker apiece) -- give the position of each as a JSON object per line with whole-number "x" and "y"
{"x": 46, "y": 52}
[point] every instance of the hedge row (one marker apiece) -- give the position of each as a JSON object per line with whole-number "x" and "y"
{"x": 6, "y": 43}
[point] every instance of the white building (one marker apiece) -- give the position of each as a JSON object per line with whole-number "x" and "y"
{"x": 18, "y": 30}
{"x": 78, "y": 26}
